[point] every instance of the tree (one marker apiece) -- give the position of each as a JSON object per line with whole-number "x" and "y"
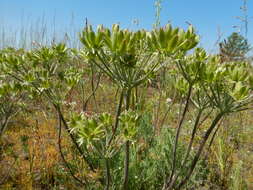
{"x": 234, "y": 48}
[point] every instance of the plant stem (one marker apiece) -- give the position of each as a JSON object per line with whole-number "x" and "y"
{"x": 196, "y": 124}
{"x": 127, "y": 146}
{"x": 202, "y": 144}
{"x": 62, "y": 155}
{"x": 93, "y": 92}
{"x": 3, "y": 126}
{"x": 178, "y": 134}
{"x": 108, "y": 175}
{"x": 126, "y": 169}
{"x": 183, "y": 165}
{"x": 212, "y": 138}
{"x": 73, "y": 138}
{"x": 92, "y": 85}
{"x": 117, "y": 116}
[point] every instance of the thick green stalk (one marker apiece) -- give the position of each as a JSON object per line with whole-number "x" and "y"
{"x": 66, "y": 164}
{"x": 178, "y": 134}
{"x": 108, "y": 175}
{"x": 201, "y": 147}
{"x": 183, "y": 165}
{"x": 117, "y": 116}
{"x": 127, "y": 147}
{"x": 196, "y": 124}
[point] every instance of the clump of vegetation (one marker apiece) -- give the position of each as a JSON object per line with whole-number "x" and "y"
{"x": 127, "y": 149}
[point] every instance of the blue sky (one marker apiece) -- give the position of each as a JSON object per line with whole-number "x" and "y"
{"x": 208, "y": 16}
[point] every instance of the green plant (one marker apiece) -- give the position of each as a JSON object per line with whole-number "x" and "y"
{"x": 124, "y": 150}
{"x": 210, "y": 87}
{"x": 47, "y": 73}
{"x": 12, "y": 94}
{"x": 129, "y": 59}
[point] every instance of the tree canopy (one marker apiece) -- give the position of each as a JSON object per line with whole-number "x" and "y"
{"x": 234, "y": 48}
